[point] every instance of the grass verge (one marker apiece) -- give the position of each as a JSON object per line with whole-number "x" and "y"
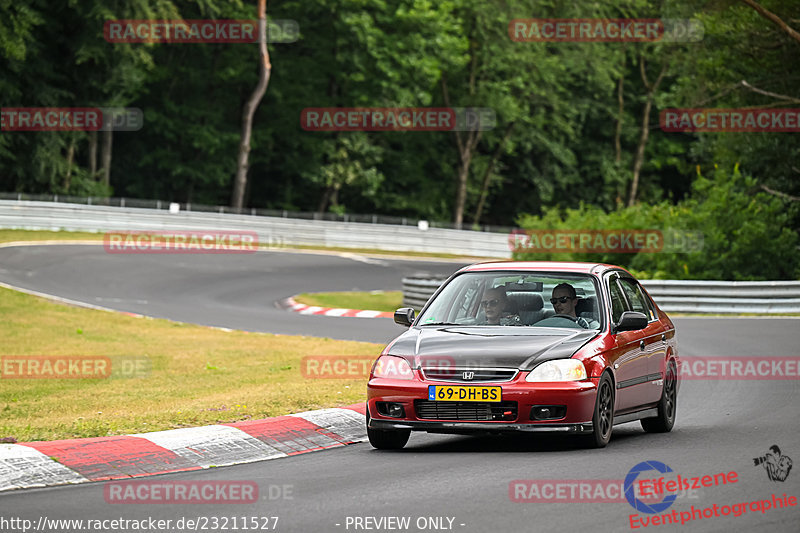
{"x": 387, "y": 301}
{"x": 199, "y": 375}
{"x": 12, "y": 235}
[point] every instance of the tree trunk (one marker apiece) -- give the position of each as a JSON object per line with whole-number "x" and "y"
{"x": 466, "y": 148}
{"x": 781, "y": 194}
{"x": 335, "y": 196}
{"x": 70, "y": 160}
{"x": 105, "y": 156}
{"x": 93, "y": 154}
{"x": 465, "y": 151}
{"x": 651, "y": 90}
{"x": 775, "y": 19}
{"x": 488, "y": 174}
{"x": 461, "y": 190}
{"x": 637, "y": 164}
{"x": 250, "y": 107}
{"x": 620, "y": 116}
{"x": 326, "y": 197}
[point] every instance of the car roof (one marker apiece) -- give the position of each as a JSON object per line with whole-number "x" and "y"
{"x": 542, "y": 266}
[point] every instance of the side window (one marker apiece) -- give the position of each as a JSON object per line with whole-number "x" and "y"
{"x": 468, "y": 306}
{"x": 650, "y": 305}
{"x": 635, "y": 297}
{"x": 617, "y": 301}
{"x": 463, "y": 304}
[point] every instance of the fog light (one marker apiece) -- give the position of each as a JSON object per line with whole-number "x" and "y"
{"x": 548, "y": 412}
{"x": 392, "y": 409}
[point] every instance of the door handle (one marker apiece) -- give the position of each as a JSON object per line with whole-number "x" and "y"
{"x": 641, "y": 345}
{"x": 663, "y": 338}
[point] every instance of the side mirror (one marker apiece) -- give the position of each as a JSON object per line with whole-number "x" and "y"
{"x": 629, "y": 321}
{"x": 405, "y": 316}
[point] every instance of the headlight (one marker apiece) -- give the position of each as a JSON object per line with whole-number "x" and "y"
{"x": 389, "y": 366}
{"x": 558, "y": 370}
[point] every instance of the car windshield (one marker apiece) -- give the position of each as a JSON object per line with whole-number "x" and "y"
{"x": 556, "y": 300}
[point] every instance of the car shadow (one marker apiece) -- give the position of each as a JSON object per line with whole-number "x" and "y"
{"x": 512, "y": 443}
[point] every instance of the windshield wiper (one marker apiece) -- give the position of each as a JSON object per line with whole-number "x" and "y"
{"x": 441, "y": 324}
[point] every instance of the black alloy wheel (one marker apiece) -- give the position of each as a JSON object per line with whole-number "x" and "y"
{"x": 667, "y": 406}
{"x": 603, "y": 419}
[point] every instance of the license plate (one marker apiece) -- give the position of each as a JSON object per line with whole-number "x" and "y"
{"x": 456, "y": 393}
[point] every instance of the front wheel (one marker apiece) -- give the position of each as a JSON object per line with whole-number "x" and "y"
{"x": 387, "y": 439}
{"x": 603, "y": 418}
{"x": 667, "y": 405}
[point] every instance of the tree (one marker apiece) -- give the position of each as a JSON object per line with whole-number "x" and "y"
{"x": 265, "y": 70}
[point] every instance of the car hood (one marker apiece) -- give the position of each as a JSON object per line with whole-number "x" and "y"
{"x": 477, "y": 347}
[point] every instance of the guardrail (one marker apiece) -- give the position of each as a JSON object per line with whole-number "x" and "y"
{"x": 417, "y": 291}
{"x": 274, "y": 231}
{"x": 760, "y": 297}
{"x": 252, "y": 211}
{"x": 717, "y": 297}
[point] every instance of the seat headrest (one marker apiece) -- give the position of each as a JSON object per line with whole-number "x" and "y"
{"x": 527, "y": 301}
{"x": 586, "y": 305}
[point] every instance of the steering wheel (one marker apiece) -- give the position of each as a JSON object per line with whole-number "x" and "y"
{"x": 569, "y": 317}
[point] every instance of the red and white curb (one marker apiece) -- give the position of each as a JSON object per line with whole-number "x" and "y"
{"x": 44, "y": 464}
{"x": 291, "y": 305}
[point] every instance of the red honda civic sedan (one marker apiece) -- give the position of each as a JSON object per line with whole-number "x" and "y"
{"x": 502, "y": 347}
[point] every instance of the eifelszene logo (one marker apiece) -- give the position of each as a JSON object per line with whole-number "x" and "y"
{"x": 638, "y": 504}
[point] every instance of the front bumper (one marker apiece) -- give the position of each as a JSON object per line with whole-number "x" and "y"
{"x": 577, "y": 396}
{"x": 479, "y": 427}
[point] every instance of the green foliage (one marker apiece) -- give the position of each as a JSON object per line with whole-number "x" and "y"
{"x": 744, "y": 233}
{"x": 558, "y": 161}
{"x": 351, "y": 161}
{"x": 16, "y": 27}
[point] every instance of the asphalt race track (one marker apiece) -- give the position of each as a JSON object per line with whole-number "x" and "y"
{"x": 721, "y": 425}
{"x": 237, "y": 291}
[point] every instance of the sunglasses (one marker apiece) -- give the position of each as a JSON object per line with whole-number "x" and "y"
{"x": 562, "y": 299}
{"x": 493, "y": 302}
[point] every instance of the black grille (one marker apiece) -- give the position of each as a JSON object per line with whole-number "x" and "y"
{"x": 477, "y": 374}
{"x": 476, "y": 411}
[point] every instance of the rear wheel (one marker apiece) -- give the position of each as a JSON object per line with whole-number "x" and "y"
{"x": 387, "y": 439}
{"x": 603, "y": 418}
{"x": 667, "y": 405}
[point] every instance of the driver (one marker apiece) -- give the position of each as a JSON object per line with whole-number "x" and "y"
{"x": 564, "y": 300}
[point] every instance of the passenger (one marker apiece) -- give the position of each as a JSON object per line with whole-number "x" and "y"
{"x": 497, "y": 308}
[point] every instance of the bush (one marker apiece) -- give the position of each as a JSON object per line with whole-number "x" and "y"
{"x": 745, "y": 233}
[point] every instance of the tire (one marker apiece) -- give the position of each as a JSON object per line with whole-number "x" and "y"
{"x": 667, "y": 406}
{"x": 603, "y": 418}
{"x": 383, "y": 439}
